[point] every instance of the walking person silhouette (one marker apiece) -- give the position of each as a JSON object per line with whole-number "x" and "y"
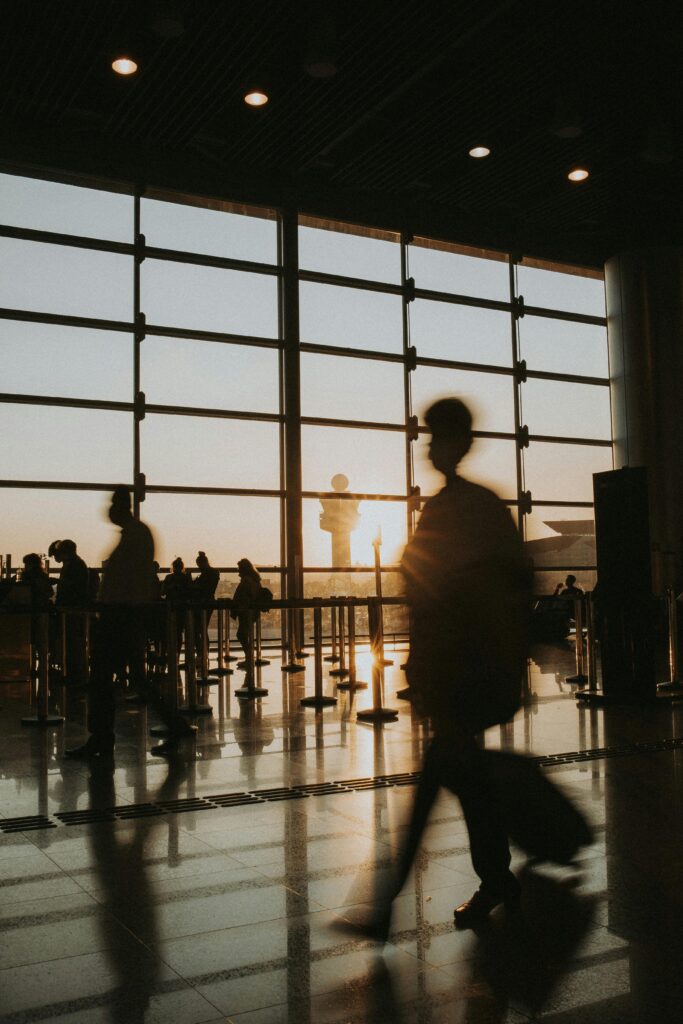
{"x": 468, "y": 585}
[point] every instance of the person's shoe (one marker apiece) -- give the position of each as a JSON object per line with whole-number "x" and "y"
{"x": 473, "y": 912}
{"x": 93, "y": 747}
{"x": 404, "y": 694}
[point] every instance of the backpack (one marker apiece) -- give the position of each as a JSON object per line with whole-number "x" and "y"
{"x": 264, "y": 601}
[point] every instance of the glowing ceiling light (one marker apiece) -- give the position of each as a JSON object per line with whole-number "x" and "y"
{"x": 124, "y": 66}
{"x": 256, "y": 98}
{"x": 578, "y": 174}
{"x": 479, "y": 151}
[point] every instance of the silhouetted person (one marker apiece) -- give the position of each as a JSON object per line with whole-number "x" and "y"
{"x": 571, "y": 591}
{"x": 73, "y": 591}
{"x": 245, "y": 604}
{"x": 38, "y": 582}
{"x": 468, "y": 586}
{"x": 203, "y": 593}
{"x": 126, "y": 591}
{"x": 177, "y": 590}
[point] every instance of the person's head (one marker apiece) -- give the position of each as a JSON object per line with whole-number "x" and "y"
{"x": 570, "y": 581}
{"x": 67, "y": 550}
{"x": 246, "y": 568}
{"x": 54, "y": 550}
{"x": 201, "y": 561}
{"x": 450, "y": 423}
{"x": 120, "y": 510}
{"x": 32, "y": 563}
{"x": 178, "y": 566}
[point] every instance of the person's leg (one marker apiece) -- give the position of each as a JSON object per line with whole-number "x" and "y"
{"x": 463, "y": 771}
{"x": 106, "y": 659}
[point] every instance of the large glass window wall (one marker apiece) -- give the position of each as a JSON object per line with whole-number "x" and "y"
{"x": 143, "y": 343}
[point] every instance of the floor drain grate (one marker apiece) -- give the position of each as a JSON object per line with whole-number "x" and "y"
{"x": 188, "y": 804}
{"x": 28, "y": 823}
{"x": 89, "y": 817}
{"x": 234, "y": 799}
{"x": 280, "y": 793}
{"x": 126, "y": 811}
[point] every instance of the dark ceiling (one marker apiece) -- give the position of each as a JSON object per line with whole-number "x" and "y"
{"x": 385, "y": 140}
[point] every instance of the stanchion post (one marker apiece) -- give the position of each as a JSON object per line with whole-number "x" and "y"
{"x": 250, "y": 691}
{"x": 673, "y": 684}
{"x": 318, "y": 700}
{"x": 342, "y": 670}
{"x": 333, "y": 657}
{"x": 377, "y": 713}
{"x": 291, "y": 665}
{"x": 591, "y": 661}
{"x": 193, "y": 707}
{"x": 40, "y": 624}
{"x": 259, "y": 659}
{"x": 352, "y": 683}
{"x": 580, "y": 674}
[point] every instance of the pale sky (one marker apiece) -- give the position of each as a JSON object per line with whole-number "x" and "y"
{"x": 96, "y": 446}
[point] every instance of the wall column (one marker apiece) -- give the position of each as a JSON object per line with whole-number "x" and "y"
{"x": 292, "y": 404}
{"x": 644, "y": 292}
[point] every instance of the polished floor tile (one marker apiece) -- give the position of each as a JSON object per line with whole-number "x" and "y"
{"x": 245, "y": 914}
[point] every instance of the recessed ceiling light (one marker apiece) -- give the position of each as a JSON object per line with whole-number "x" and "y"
{"x": 256, "y": 98}
{"x": 578, "y": 174}
{"x": 479, "y": 151}
{"x": 124, "y": 66}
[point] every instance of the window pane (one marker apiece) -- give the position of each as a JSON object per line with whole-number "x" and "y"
{"x": 563, "y": 409}
{"x": 351, "y": 255}
{"x": 489, "y": 462}
{"x": 67, "y": 209}
{"x": 441, "y": 330}
{"x": 69, "y": 445}
{"x": 194, "y": 451}
{"x": 212, "y": 232}
{"x": 352, "y": 389}
{"x": 389, "y": 516}
{"x": 210, "y": 374}
{"x": 553, "y": 289}
{"x": 563, "y": 472}
{"x": 561, "y": 536}
{"x": 373, "y": 460}
{"x": 559, "y": 346}
{"x": 459, "y": 274}
{"x": 489, "y": 396}
{"x": 227, "y": 528}
{"x": 209, "y": 299}
{"x": 32, "y": 519}
{"x": 68, "y": 362}
{"x": 350, "y": 317}
{"x": 66, "y": 280}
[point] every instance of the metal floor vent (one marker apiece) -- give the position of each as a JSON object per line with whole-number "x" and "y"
{"x": 127, "y": 812}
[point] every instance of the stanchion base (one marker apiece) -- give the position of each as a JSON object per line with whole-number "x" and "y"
{"x": 42, "y": 720}
{"x": 671, "y": 688}
{"x": 293, "y": 668}
{"x": 261, "y": 661}
{"x": 196, "y": 709}
{"x": 303, "y": 654}
{"x": 331, "y": 657}
{"x": 231, "y": 657}
{"x": 576, "y": 679}
{"x": 251, "y": 692}
{"x": 348, "y": 685}
{"x": 220, "y": 672}
{"x": 384, "y": 661}
{"x": 318, "y": 702}
{"x": 205, "y": 681}
{"x": 163, "y": 730}
{"x": 377, "y": 715}
{"x": 339, "y": 672}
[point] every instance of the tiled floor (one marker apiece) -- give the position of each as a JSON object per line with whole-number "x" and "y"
{"x": 236, "y": 913}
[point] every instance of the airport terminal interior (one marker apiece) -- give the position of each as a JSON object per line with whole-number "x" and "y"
{"x": 244, "y": 249}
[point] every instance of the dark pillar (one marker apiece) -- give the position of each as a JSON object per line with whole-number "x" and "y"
{"x": 292, "y": 404}
{"x": 645, "y": 330}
